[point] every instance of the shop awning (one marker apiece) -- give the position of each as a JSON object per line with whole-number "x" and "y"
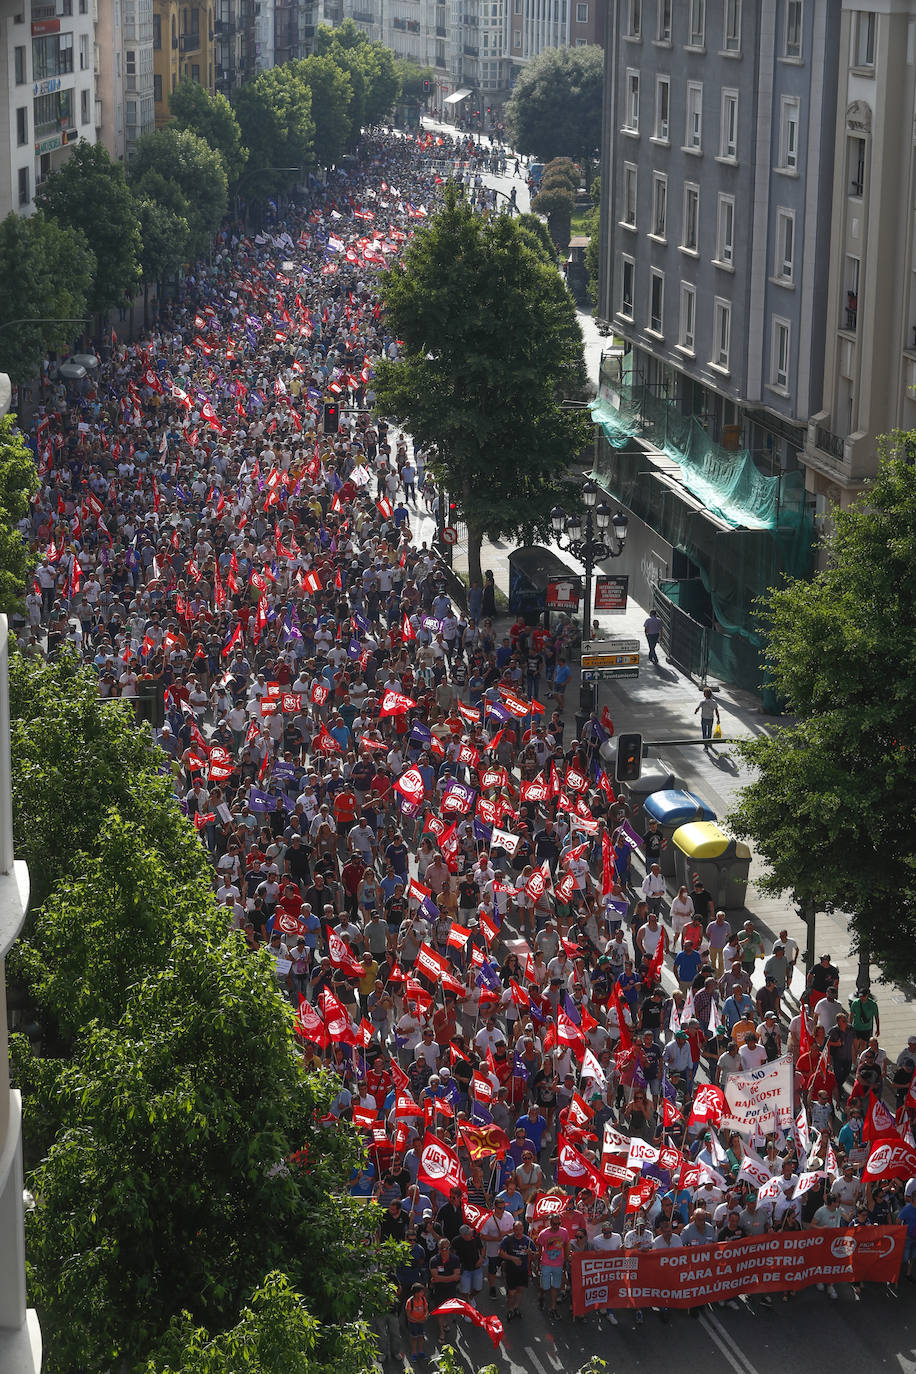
{"x": 456, "y": 96}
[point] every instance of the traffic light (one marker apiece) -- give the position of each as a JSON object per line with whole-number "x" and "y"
{"x": 629, "y": 758}
{"x": 427, "y": 86}
{"x": 331, "y": 417}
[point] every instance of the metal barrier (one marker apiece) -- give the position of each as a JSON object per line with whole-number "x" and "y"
{"x": 684, "y": 641}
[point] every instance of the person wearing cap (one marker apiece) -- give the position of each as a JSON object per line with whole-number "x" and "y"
{"x": 777, "y": 968}
{"x": 864, "y": 1018}
{"x": 444, "y": 1277}
{"x": 823, "y": 976}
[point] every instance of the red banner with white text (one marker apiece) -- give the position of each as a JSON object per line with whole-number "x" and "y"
{"x": 712, "y": 1273}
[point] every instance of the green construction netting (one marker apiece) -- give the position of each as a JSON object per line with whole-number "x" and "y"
{"x": 728, "y": 483}
{"x": 770, "y": 534}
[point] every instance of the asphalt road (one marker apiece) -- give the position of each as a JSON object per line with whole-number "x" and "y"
{"x": 810, "y": 1332}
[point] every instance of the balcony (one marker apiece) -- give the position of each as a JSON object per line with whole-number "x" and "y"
{"x": 441, "y": 31}
{"x": 470, "y": 50}
{"x": 852, "y": 310}
{"x": 190, "y": 42}
{"x": 830, "y": 443}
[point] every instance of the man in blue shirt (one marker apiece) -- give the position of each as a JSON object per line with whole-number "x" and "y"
{"x": 534, "y": 1124}
{"x": 687, "y": 965}
{"x": 736, "y": 1007}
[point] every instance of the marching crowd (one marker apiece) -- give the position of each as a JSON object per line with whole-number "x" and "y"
{"x": 471, "y": 925}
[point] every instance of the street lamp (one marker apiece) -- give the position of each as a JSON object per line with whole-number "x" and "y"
{"x": 581, "y": 542}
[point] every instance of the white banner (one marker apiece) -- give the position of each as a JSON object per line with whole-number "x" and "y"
{"x": 760, "y": 1100}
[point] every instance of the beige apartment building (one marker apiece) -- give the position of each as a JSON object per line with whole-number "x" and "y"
{"x": 870, "y": 343}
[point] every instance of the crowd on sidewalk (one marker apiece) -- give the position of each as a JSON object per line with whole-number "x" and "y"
{"x": 470, "y": 929}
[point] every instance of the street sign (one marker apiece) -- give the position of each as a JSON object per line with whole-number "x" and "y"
{"x": 606, "y": 674}
{"x": 611, "y": 594}
{"x": 563, "y": 595}
{"x": 449, "y": 535}
{"x": 611, "y": 645}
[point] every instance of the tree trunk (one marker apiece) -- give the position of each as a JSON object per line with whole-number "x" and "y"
{"x": 475, "y": 539}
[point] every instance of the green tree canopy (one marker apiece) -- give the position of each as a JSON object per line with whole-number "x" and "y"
{"x": 214, "y": 120}
{"x": 831, "y": 787}
{"x": 555, "y": 108}
{"x": 47, "y": 270}
{"x": 411, "y": 77}
{"x": 89, "y": 193}
{"x": 18, "y": 480}
{"x": 180, "y": 170}
{"x": 377, "y": 84}
{"x": 275, "y": 116}
{"x": 165, "y": 236}
{"x": 332, "y": 93}
{"x": 491, "y": 348}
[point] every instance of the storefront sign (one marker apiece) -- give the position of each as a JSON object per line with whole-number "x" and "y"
{"x": 563, "y": 596}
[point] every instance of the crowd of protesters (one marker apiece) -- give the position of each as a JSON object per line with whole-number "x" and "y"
{"x": 474, "y": 933}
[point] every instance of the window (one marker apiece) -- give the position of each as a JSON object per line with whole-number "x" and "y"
{"x": 626, "y": 287}
{"x": 779, "y": 362}
{"x": 792, "y": 41}
{"x": 157, "y": 32}
{"x": 84, "y": 6}
{"x": 632, "y": 110}
{"x": 656, "y": 300}
{"x": 130, "y": 61}
{"x": 694, "y": 131}
{"x": 728, "y": 129}
{"x": 629, "y": 194}
{"x": 731, "y": 28}
{"x": 725, "y": 231}
{"x": 662, "y": 108}
{"x": 66, "y": 8}
{"x": 663, "y": 29}
{"x": 85, "y": 117}
{"x": 659, "y": 205}
{"x": 22, "y": 125}
{"x": 691, "y": 216}
{"x": 687, "y": 332}
{"x": 516, "y": 38}
{"x": 855, "y": 154}
{"x": 788, "y": 135}
{"x": 581, "y": 14}
{"x": 864, "y": 40}
{"x": 157, "y": 89}
{"x": 722, "y": 331}
{"x": 24, "y": 195}
{"x": 696, "y": 28}
{"x": 784, "y": 266}
{"x": 635, "y": 28}
{"x": 517, "y": 7}
{"x": 84, "y": 52}
{"x": 19, "y": 55}
{"x": 851, "y": 304}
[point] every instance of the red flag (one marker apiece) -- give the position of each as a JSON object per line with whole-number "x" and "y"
{"x": 492, "y": 1325}
{"x": 878, "y": 1123}
{"x": 440, "y": 1167}
{"x": 890, "y": 1159}
{"x": 708, "y": 1106}
{"x": 234, "y": 639}
{"x": 341, "y": 956}
{"x": 482, "y": 1142}
{"x": 336, "y": 1018}
{"x": 407, "y": 630}
{"x": 395, "y": 704}
{"x": 311, "y": 1026}
{"x": 575, "y": 1171}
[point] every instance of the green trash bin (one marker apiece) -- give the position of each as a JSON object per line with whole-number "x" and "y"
{"x": 723, "y": 864}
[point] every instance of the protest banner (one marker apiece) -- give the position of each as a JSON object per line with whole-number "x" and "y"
{"x": 760, "y": 1100}
{"x": 773, "y": 1263}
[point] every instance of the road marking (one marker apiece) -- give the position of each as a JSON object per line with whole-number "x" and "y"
{"x": 539, "y": 1368}
{"x": 727, "y": 1347}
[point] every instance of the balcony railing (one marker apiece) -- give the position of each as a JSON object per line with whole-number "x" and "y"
{"x": 830, "y": 443}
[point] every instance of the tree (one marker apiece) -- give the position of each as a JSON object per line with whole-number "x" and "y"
{"x": 332, "y": 93}
{"x": 214, "y": 120}
{"x": 831, "y": 788}
{"x": 275, "y": 115}
{"x": 47, "y": 270}
{"x": 557, "y": 203}
{"x": 89, "y": 193}
{"x": 165, "y": 238}
{"x": 372, "y": 70}
{"x": 491, "y": 348}
{"x": 555, "y": 108}
{"x": 179, "y": 169}
{"x": 276, "y": 1334}
{"x": 18, "y": 480}
{"x": 416, "y": 82}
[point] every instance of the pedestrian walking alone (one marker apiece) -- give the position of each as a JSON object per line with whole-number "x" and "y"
{"x": 709, "y": 712}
